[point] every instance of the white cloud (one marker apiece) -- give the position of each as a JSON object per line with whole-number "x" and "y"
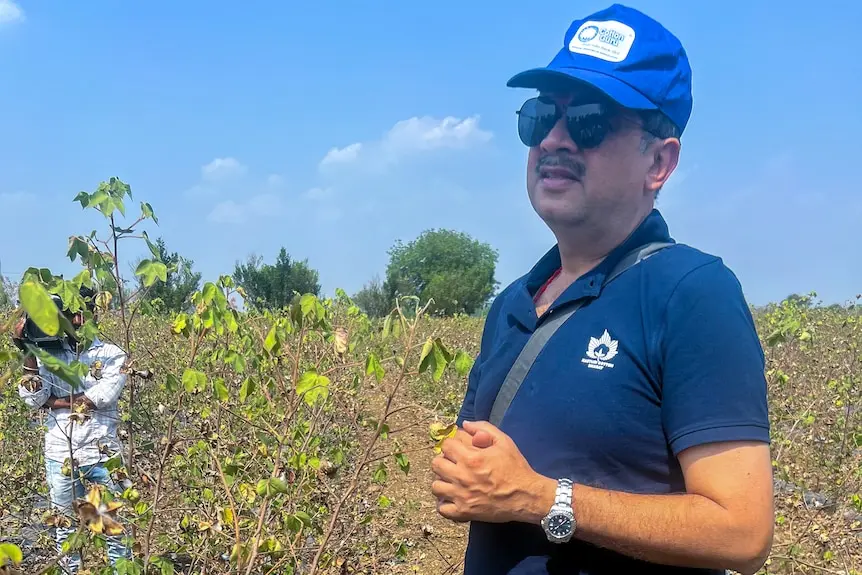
{"x": 221, "y": 169}
{"x": 409, "y": 137}
{"x": 342, "y": 155}
{"x": 429, "y": 134}
{"x": 10, "y": 12}
{"x": 260, "y": 206}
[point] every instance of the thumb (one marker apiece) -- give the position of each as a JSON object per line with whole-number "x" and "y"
{"x": 483, "y": 439}
{"x": 484, "y": 434}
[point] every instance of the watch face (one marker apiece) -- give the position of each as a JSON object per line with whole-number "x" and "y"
{"x": 560, "y": 525}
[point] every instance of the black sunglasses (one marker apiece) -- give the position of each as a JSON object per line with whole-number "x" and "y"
{"x": 588, "y": 123}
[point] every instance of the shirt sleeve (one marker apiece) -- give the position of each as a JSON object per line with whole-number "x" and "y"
{"x": 713, "y": 380}
{"x": 109, "y": 388}
{"x": 467, "y": 412}
{"x": 35, "y": 399}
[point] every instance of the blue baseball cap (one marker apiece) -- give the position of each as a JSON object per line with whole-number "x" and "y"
{"x": 625, "y": 54}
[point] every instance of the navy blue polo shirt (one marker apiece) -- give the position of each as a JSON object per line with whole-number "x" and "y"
{"x": 676, "y": 362}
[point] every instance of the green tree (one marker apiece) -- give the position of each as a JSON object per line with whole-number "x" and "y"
{"x": 375, "y": 298}
{"x": 7, "y": 293}
{"x": 274, "y": 286}
{"x": 450, "y": 267}
{"x": 174, "y": 294}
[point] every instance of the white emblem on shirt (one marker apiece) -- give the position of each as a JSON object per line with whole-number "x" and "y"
{"x": 600, "y": 351}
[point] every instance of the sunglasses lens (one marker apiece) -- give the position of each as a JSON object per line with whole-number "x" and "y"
{"x": 536, "y": 119}
{"x": 588, "y": 124}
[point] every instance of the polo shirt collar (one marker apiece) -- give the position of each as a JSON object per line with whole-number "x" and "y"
{"x": 652, "y": 229}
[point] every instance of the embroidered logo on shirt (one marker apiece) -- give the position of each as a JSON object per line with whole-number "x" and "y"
{"x": 600, "y": 351}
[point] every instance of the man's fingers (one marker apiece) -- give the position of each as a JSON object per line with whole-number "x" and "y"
{"x": 449, "y": 510}
{"x": 443, "y": 489}
{"x": 463, "y": 436}
{"x": 454, "y": 449}
{"x": 445, "y": 469}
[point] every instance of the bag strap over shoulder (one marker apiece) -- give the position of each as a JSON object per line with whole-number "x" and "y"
{"x": 543, "y": 333}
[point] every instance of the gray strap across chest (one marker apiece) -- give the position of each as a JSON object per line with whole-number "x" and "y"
{"x": 543, "y": 333}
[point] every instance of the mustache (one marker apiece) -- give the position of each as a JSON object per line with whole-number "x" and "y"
{"x": 563, "y": 161}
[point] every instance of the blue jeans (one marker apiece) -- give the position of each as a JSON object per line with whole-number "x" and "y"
{"x": 61, "y": 487}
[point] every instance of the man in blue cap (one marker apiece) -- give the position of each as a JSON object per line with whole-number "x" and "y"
{"x": 633, "y": 435}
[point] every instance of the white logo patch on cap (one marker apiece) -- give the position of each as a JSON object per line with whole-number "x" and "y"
{"x": 609, "y": 40}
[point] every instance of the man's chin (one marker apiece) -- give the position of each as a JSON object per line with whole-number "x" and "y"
{"x": 558, "y": 220}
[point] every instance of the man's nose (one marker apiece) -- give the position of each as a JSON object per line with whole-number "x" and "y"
{"x": 559, "y": 139}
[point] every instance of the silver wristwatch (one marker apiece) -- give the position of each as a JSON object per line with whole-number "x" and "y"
{"x": 559, "y": 523}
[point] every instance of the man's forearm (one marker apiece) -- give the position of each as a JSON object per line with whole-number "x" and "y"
{"x": 684, "y": 530}
{"x": 65, "y": 403}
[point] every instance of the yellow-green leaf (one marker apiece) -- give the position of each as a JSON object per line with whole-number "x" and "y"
{"x": 152, "y": 271}
{"x": 194, "y": 380}
{"x": 312, "y": 386}
{"x": 40, "y": 307}
{"x": 463, "y": 363}
{"x": 426, "y": 357}
{"x": 372, "y": 365}
{"x": 271, "y": 344}
{"x": 10, "y": 553}
{"x": 220, "y": 390}
{"x": 246, "y": 389}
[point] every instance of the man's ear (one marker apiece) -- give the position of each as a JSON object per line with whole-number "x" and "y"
{"x": 665, "y": 158}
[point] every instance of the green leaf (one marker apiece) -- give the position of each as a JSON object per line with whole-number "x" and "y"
{"x": 440, "y": 361}
{"x": 220, "y": 390}
{"x": 271, "y": 343}
{"x": 308, "y": 304}
{"x": 194, "y": 380}
{"x": 83, "y": 279}
{"x": 426, "y": 357}
{"x": 84, "y": 198}
{"x": 304, "y": 517}
{"x": 172, "y": 384}
{"x": 246, "y": 389}
{"x": 147, "y": 212}
{"x": 380, "y": 473}
{"x": 154, "y": 249}
{"x": 209, "y": 292}
{"x": 446, "y": 354}
{"x": 10, "y": 553}
{"x": 114, "y": 462}
{"x": 271, "y": 486}
{"x": 372, "y": 365}
{"x": 312, "y": 386}
{"x": 164, "y": 564}
{"x": 463, "y": 363}
{"x": 40, "y": 307}
{"x": 70, "y": 373}
{"x": 403, "y": 462}
{"x": 78, "y": 247}
{"x": 152, "y": 271}
{"x": 387, "y": 326}
{"x": 383, "y": 502}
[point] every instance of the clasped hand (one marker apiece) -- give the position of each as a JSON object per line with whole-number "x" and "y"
{"x": 481, "y": 475}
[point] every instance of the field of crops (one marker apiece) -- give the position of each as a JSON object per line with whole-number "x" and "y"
{"x": 300, "y": 442}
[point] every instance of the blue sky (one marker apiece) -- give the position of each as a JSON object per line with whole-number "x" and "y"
{"x": 337, "y": 128}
